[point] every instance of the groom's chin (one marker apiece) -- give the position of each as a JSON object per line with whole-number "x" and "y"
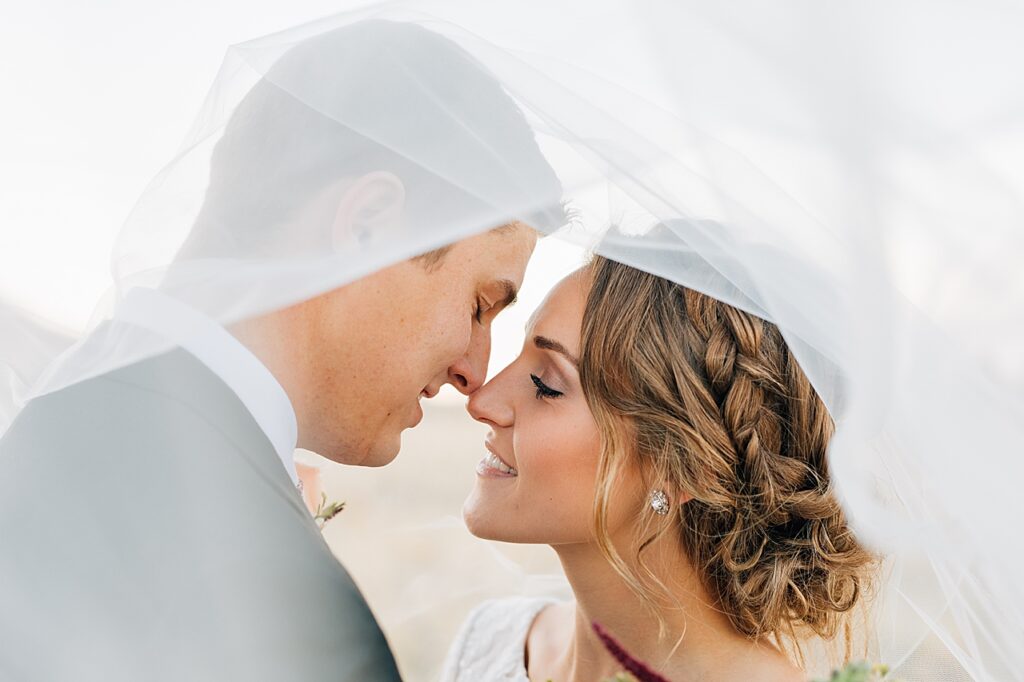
{"x": 382, "y": 452}
{"x": 377, "y": 453}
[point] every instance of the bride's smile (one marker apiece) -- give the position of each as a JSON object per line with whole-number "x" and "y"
{"x": 494, "y": 466}
{"x": 536, "y": 483}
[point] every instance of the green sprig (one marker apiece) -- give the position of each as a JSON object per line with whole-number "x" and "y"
{"x": 860, "y": 672}
{"x": 325, "y": 512}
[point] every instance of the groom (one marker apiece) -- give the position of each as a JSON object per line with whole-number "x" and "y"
{"x": 150, "y": 525}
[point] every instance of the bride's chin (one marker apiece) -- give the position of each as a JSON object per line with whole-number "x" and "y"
{"x": 476, "y": 528}
{"x": 478, "y": 520}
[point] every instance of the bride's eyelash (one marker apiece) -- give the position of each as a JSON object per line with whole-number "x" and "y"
{"x": 543, "y": 390}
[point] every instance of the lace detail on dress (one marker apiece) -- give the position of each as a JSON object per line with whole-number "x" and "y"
{"x": 491, "y": 643}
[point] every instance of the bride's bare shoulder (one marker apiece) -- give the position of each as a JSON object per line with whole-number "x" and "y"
{"x": 549, "y": 634}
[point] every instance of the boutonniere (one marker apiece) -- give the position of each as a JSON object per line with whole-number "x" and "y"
{"x": 326, "y": 511}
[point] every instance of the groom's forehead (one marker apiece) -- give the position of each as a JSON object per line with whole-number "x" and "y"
{"x": 494, "y": 262}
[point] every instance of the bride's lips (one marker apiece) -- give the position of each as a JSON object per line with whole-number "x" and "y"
{"x": 494, "y": 466}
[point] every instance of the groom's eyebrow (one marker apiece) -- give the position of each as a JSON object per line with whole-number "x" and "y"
{"x": 510, "y": 291}
{"x": 550, "y": 344}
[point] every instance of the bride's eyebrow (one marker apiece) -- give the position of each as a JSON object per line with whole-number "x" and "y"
{"x": 550, "y": 344}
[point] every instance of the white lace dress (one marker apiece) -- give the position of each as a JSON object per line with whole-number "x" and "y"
{"x": 491, "y": 645}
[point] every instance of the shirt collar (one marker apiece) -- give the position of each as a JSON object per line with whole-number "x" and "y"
{"x": 225, "y": 356}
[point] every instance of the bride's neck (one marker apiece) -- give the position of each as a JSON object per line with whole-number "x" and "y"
{"x": 699, "y": 639}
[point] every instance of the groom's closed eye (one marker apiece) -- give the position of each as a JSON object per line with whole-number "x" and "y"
{"x": 509, "y": 292}
{"x": 506, "y": 293}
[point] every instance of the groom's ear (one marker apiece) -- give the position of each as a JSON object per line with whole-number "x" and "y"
{"x": 370, "y": 207}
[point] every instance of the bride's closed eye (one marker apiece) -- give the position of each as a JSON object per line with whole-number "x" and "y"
{"x": 543, "y": 390}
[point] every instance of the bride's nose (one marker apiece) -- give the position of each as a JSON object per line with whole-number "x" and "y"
{"x": 489, "y": 406}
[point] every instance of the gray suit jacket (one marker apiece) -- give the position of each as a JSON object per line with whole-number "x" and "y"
{"x": 149, "y": 532}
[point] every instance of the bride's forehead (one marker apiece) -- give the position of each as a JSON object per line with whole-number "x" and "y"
{"x": 562, "y": 308}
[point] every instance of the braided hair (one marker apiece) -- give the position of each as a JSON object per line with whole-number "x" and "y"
{"x": 709, "y": 401}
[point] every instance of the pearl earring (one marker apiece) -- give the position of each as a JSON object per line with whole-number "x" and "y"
{"x": 659, "y": 502}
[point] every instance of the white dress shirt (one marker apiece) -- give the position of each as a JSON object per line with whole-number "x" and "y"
{"x": 225, "y": 356}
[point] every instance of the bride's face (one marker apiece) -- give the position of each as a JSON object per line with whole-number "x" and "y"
{"x": 543, "y": 430}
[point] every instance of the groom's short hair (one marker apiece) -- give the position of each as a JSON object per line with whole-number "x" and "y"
{"x": 305, "y": 125}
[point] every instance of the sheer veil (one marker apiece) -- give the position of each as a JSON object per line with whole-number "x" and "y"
{"x": 852, "y": 173}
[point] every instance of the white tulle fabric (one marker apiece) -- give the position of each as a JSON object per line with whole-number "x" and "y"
{"x": 852, "y": 173}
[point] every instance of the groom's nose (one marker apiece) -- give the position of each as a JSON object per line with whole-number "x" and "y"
{"x": 468, "y": 373}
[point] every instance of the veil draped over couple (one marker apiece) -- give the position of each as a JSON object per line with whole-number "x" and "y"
{"x": 769, "y": 428}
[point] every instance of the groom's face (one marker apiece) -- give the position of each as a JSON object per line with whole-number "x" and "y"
{"x": 385, "y": 342}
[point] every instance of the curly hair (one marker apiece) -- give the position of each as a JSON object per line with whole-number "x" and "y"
{"x": 708, "y": 400}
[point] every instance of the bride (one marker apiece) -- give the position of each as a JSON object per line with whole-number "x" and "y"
{"x": 672, "y": 452}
